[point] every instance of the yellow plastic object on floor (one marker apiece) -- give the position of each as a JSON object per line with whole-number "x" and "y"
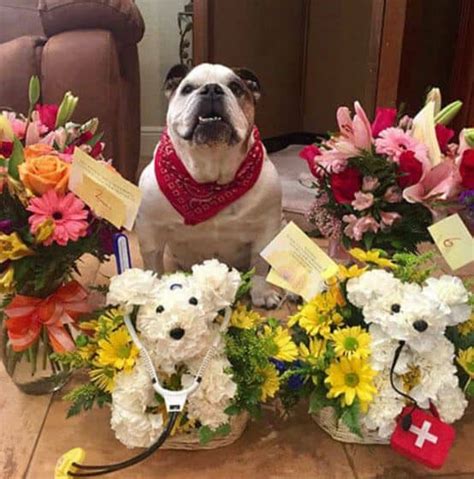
{"x": 64, "y": 466}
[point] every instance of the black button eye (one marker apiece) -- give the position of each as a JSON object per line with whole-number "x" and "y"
{"x": 395, "y": 308}
{"x": 187, "y": 89}
{"x": 420, "y": 325}
{"x": 236, "y": 89}
{"x": 176, "y": 286}
{"x": 160, "y": 309}
{"x": 193, "y": 301}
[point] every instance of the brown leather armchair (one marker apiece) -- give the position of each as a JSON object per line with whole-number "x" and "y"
{"x": 88, "y": 47}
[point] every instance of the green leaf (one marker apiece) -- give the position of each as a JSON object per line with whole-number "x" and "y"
{"x": 232, "y": 410}
{"x": 34, "y": 91}
{"x": 223, "y": 430}
{"x": 318, "y": 400}
{"x": 206, "y": 435}
{"x": 470, "y": 388}
{"x": 351, "y": 418}
{"x": 16, "y": 159}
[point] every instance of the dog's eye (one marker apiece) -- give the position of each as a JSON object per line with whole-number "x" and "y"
{"x": 176, "y": 286}
{"x": 395, "y": 308}
{"x": 160, "y": 309}
{"x": 193, "y": 301}
{"x": 187, "y": 89}
{"x": 236, "y": 89}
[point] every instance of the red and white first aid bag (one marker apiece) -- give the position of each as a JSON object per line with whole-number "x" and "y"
{"x": 425, "y": 439}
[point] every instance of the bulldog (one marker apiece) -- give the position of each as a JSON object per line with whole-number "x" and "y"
{"x": 210, "y": 190}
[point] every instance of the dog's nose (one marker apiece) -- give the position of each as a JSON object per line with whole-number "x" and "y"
{"x": 420, "y": 325}
{"x": 177, "y": 333}
{"x": 211, "y": 90}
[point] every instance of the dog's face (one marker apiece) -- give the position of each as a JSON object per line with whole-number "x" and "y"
{"x": 211, "y": 104}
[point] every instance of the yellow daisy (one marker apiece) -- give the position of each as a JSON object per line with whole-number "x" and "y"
{"x": 466, "y": 360}
{"x": 44, "y": 231}
{"x": 271, "y": 382}
{"x": 7, "y": 280}
{"x": 314, "y": 351}
{"x": 284, "y": 348}
{"x": 352, "y": 272}
{"x": 371, "y": 256}
{"x": 104, "y": 378}
{"x": 351, "y": 342}
{"x": 351, "y": 378}
{"x": 244, "y": 318}
{"x": 12, "y": 247}
{"x": 467, "y": 327}
{"x": 117, "y": 350}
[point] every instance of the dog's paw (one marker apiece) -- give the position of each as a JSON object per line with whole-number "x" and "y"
{"x": 263, "y": 294}
{"x": 294, "y": 298}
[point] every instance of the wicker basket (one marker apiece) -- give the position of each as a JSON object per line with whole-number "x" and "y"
{"x": 327, "y": 420}
{"x": 190, "y": 441}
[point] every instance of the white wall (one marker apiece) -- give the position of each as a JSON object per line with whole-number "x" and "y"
{"x": 158, "y": 53}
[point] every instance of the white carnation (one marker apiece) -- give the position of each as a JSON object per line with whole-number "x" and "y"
{"x": 132, "y": 287}
{"x": 370, "y": 285}
{"x": 219, "y": 285}
{"x": 451, "y": 403}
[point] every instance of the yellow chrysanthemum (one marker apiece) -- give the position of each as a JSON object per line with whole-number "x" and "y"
{"x": 411, "y": 378}
{"x": 467, "y": 327}
{"x": 104, "y": 378}
{"x": 284, "y": 348}
{"x": 7, "y": 279}
{"x": 244, "y": 318}
{"x": 318, "y": 315}
{"x": 351, "y": 378}
{"x": 351, "y": 342}
{"x": 117, "y": 350}
{"x": 12, "y": 247}
{"x": 44, "y": 231}
{"x": 466, "y": 360}
{"x": 314, "y": 351}
{"x": 271, "y": 382}
{"x": 371, "y": 256}
{"x": 352, "y": 272}
{"x": 87, "y": 352}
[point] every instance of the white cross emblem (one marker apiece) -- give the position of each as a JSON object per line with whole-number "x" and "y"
{"x": 423, "y": 434}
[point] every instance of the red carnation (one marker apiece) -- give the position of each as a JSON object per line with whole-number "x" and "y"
{"x": 346, "y": 184}
{"x": 384, "y": 118}
{"x": 47, "y": 115}
{"x": 466, "y": 169}
{"x": 443, "y": 135}
{"x": 410, "y": 169}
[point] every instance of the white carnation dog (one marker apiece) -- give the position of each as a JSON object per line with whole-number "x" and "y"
{"x": 176, "y": 323}
{"x": 417, "y": 315}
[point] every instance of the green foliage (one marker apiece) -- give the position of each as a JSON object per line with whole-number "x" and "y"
{"x": 16, "y": 159}
{"x": 206, "y": 434}
{"x": 318, "y": 400}
{"x": 245, "y": 285}
{"x": 470, "y": 388}
{"x": 414, "y": 268}
{"x": 350, "y": 416}
{"x": 84, "y": 397}
{"x": 70, "y": 360}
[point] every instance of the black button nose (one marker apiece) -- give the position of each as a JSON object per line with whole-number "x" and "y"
{"x": 420, "y": 325}
{"x": 211, "y": 90}
{"x": 177, "y": 333}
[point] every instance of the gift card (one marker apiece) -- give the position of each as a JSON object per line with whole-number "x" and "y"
{"x": 108, "y": 194}
{"x": 454, "y": 241}
{"x": 298, "y": 263}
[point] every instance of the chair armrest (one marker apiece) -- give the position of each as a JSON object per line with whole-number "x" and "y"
{"x": 121, "y": 17}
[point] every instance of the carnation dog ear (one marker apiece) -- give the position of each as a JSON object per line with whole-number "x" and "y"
{"x": 251, "y": 80}
{"x": 174, "y": 78}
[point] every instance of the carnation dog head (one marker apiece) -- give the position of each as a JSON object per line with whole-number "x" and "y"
{"x": 176, "y": 314}
{"x": 408, "y": 312}
{"x": 211, "y": 104}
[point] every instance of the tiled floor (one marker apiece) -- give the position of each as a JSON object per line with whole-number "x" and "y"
{"x": 35, "y": 432}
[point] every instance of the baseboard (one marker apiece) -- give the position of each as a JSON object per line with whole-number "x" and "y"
{"x": 150, "y": 135}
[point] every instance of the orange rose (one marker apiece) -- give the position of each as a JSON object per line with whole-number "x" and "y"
{"x": 38, "y": 149}
{"x": 43, "y": 173}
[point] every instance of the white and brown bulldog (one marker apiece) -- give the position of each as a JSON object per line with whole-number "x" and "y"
{"x": 210, "y": 190}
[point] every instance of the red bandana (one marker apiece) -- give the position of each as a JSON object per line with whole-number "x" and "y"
{"x": 197, "y": 202}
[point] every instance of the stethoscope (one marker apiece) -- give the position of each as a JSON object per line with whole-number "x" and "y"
{"x": 174, "y": 400}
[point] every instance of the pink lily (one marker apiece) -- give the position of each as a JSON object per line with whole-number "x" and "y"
{"x": 357, "y": 130}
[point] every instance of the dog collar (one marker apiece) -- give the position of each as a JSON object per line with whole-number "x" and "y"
{"x": 197, "y": 202}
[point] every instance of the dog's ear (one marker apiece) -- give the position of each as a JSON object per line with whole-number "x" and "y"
{"x": 174, "y": 78}
{"x": 251, "y": 80}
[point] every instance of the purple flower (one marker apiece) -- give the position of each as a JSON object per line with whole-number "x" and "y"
{"x": 466, "y": 198}
{"x": 6, "y": 226}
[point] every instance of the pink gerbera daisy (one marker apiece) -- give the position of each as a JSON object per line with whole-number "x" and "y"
{"x": 67, "y": 212}
{"x": 394, "y": 142}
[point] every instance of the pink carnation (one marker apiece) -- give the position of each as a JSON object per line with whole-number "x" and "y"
{"x": 67, "y": 213}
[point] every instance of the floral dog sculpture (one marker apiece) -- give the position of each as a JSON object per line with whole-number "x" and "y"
{"x": 177, "y": 321}
{"x": 419, "y": 316}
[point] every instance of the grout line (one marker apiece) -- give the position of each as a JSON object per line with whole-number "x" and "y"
{"x": 350, "y": 461}
{"x": 35, "y": 445}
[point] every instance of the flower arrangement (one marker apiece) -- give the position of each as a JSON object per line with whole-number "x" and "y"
{"x": 381, "y": 320}
{"x": 177, "y": 318}
{"x": 44, "y": 229}
{"x": 379, "y": 184}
